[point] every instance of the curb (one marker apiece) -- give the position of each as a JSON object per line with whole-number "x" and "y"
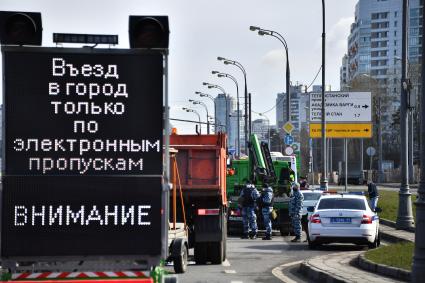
{"x": 383, "y": 269}
{"x": 391, "y": 238}
{"x": 393, "y": 224}
{"x": 318, "y": 275}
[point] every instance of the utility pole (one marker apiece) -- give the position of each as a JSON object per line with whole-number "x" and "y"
{"x": 324, "y": 180}
{"x": 411, "y": 143}
{"x": 418, "y": 267}
{"x": 380, "y": 171}
{"x": 404, "y": 216}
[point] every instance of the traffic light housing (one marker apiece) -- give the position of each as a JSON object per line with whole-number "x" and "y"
{"x": 20, "y": 28}
{"x": 149, "y": 31}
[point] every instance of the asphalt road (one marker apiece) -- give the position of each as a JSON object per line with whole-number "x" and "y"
{"x": 253, "y": 260}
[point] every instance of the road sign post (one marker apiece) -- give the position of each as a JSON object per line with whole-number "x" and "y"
{"x": 348, "y": 115}
{"x": 288, "y": 127}
{"x": 289, "y": 139}
{"x": 370, "y": 151}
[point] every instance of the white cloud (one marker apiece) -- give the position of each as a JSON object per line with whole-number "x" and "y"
{"x": 274, "y": 58}
{"x": 336, "y": 38}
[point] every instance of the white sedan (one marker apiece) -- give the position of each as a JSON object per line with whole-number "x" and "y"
{"x": 311, "y": 198}
{"x": 343, "y": 218}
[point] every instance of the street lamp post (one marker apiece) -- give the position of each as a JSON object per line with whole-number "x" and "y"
{"x": 225, "y": 75}
{"x": 404, "y": 216}
{"x": 201, "y": 94}
{"x": 225, "y": 96}
{"x": 239, "y": 65}
{"x": 197, "y": 102}
{"x": 418, "y": 267}
{"x": 277, "y": 35}
{"x": 324, "y": 181}
{"x": 197, "y": 113}
{"x": 410, "y": 126}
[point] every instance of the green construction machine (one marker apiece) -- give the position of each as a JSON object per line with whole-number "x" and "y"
{"x": 258, "y": 169}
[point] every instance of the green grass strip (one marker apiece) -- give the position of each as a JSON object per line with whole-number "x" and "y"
{"x": 397, "y": 255}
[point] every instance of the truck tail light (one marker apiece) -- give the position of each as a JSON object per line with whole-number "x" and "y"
{"x": 366, "y": 219}
{"x": 315, "y": 218}
{"x": 208, "y": 211}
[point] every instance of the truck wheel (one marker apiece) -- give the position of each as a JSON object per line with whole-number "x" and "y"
{"x": 283, "y": 231}
{"x": 200, "y": 253}
{"x": 180, "y": 262}
{"x": 216, "y": 252}
{"x": 170, "y": 279}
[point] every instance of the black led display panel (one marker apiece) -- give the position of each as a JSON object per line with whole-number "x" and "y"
{"x": 86, "y": 216}
{"x": 82, "y": 163}
{"x": 91, "y": 113}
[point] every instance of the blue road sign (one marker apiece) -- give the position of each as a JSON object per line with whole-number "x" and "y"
{"x": 289, "y": 139}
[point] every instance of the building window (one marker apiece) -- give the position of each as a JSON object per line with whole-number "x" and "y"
{"x": 413, "y": 51}
{"x": 414, "y": 41}
{"x": 395, "y": 23}
{"x": 414, "y": 22}
{"x": 395, "y": 33}
{"x": 414, "y": 31}
{"x": 414, "y": 13}
{"x": 395, "y": 14}
{"x": 395, "y": 42}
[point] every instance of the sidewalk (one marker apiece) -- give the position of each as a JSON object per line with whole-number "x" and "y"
{"x": 337, "y": 268}
{"x": 340, "y": 267}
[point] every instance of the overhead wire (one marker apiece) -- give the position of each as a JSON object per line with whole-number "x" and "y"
{"x": 280, "y": 100}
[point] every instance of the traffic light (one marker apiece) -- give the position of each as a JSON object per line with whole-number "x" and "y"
{"x": 20, "y": 28}
{"x": 148, "y": 31}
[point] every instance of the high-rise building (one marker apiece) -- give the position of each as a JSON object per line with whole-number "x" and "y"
{"x": 233, "y": 136}
{"x": 261, "y": 128}
{"x": 223, "y": 107}
{"x": 296, "y": 110}
{"x": 343, "y": 72}
{"x": 374, "y": 54}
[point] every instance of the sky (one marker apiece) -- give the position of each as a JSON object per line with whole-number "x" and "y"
{"x": 201, "y": 30}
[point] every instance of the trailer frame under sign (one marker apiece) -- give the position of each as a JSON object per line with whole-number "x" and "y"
{"x": 346, "y": 130}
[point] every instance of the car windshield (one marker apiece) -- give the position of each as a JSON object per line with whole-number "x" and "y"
{"x": 342, "y": 203}
{"x": 312, "y": 196}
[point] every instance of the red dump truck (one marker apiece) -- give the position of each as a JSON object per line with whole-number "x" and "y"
{"x": 201, "y": 164}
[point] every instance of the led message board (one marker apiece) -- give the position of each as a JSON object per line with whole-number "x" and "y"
{"x": 82, "y": 152}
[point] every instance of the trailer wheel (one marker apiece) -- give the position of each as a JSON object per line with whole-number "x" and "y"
{"x": 200, "y": 253}
{"x": 225, "y": 239}
{"x": 180, "y": 262}
{"x": 217, "y": 252}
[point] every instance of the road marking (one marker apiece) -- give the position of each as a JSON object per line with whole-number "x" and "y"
{"x": 277, "y": 271}
{"x": 226, "y": 263}
{"x": 230, "y": 271}
{"x": 236, "y": 281}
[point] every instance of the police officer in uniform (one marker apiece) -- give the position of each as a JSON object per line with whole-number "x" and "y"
{"x": 295, "y": 211}
{"x": 248, "y": 199}
{"x": 266, "y": 204}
